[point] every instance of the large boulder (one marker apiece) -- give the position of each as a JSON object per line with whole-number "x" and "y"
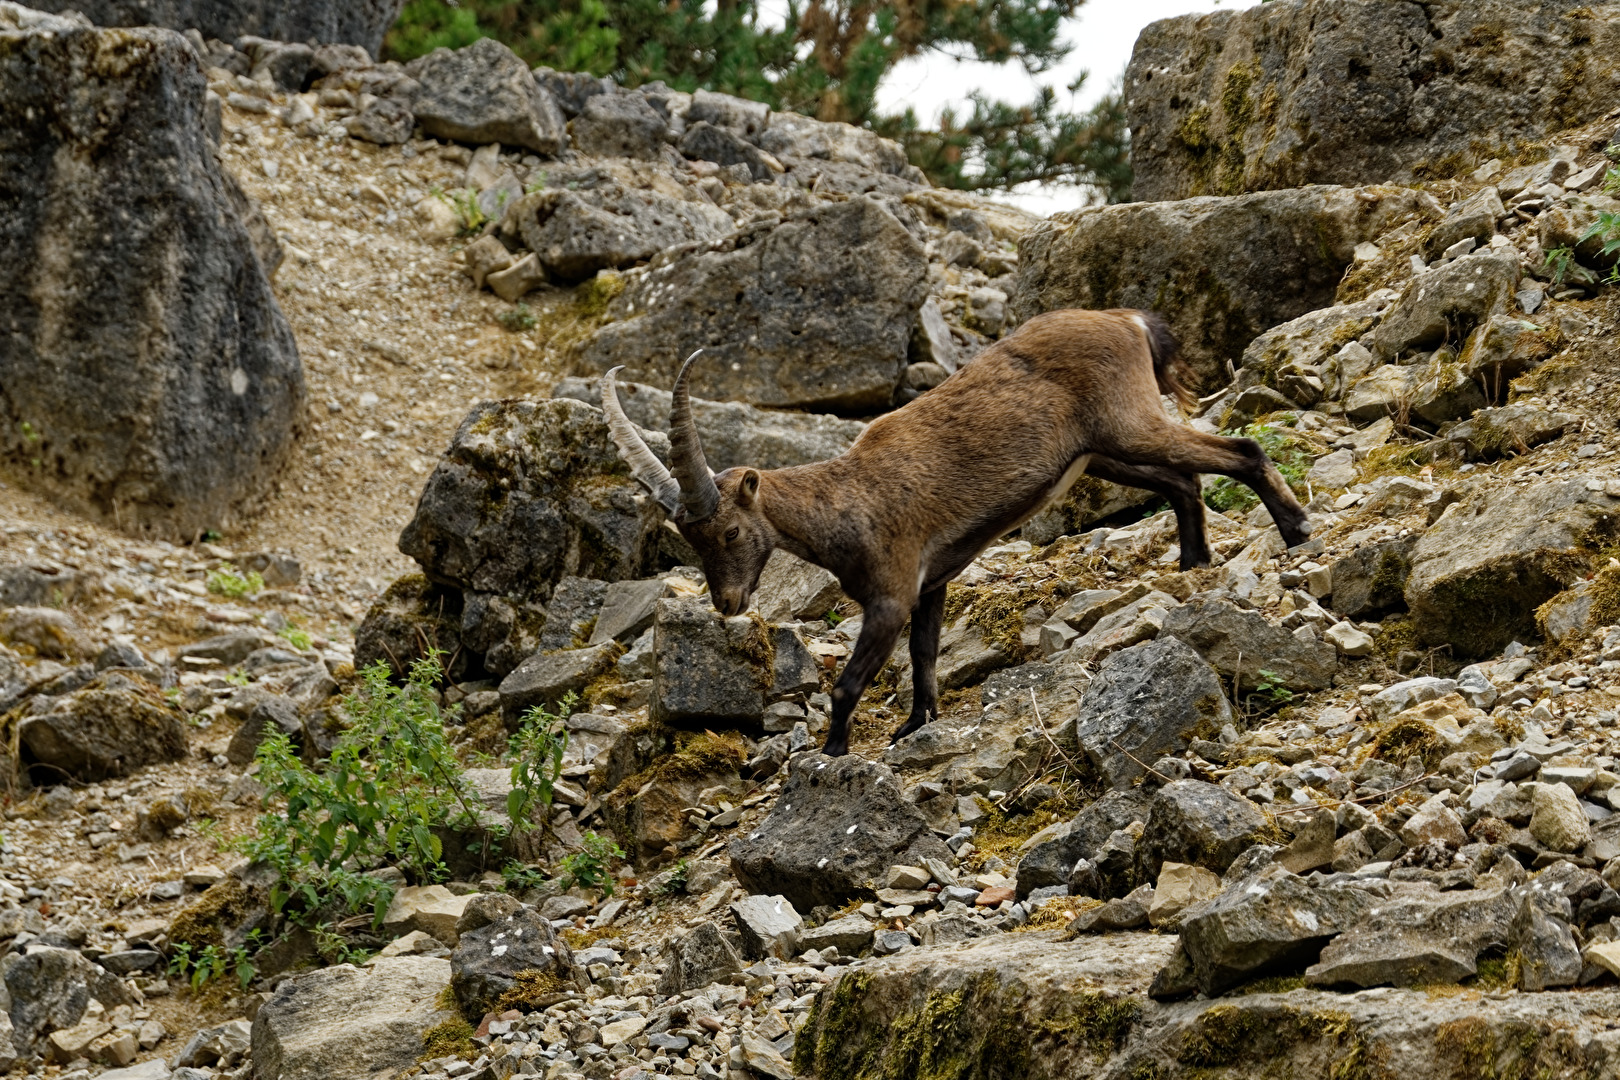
{"x": 49, "y": 989}
{"x": 618, "y": 125}
{"x": 150, "y": 378}
{"x": 530, "y": 491}
{"x": 575, "y": 233}
{"x": 1200, "y": 824}
{"x": 1147, "y": 701}
{"x": 651, "y": 811}
{"x": 1222, "y": 270}
{"x": 1421, "y": 937}
{"x": 1347, "y": 92}
{"x": 1052, "y": 860}
{"x": 485, "y": 94}
{"x": 1248, "y": 646}
{"x": 732, "y": 433}
{"x": 1492, "y": 558}
{"x": 492, "y": 960}
{"x": 835, "y": 830}
{"x": 844, "y": 277}
{"x": 349, "y": 1023}
{"x": 744, "y": 662}
{"x": 109, "y": 728}
{"x": 358, "y": 22}
{"x": 1448, "y": 302}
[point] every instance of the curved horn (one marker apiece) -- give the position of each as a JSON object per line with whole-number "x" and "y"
{"x": 699, "y": 496}
{"x": 644, "y": 464}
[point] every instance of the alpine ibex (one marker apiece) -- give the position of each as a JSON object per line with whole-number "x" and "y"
{"x": 928, "y": 487}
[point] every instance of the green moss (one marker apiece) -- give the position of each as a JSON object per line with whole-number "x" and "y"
{"x": 224, "y": 906}
{"x": 695, "y": 757}
{"x": 453, "y": 1037}
{"x": 1232, "y": 1035}
{"x": 1101, "y": 1022}
{"x": 532, "y": 989}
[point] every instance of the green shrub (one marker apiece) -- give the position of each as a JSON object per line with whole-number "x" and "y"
{"x": 227, "y": 582}
{"x": 1291, "y": 456}
{"x": 590, "y": 866}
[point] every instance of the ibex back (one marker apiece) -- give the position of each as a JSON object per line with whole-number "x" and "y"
{"x": 928, "y": 487}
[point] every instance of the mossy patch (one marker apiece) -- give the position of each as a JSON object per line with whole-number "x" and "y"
{"x": 1231, "y": 1035}
{"x": 452, "y": 1037}
{"x": 224, "y": 906}
{"x": 533, "y": 989}
{"x": 1401, "y": 739}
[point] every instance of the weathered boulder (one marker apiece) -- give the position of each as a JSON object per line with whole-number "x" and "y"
{"x": 1491, "y": 559}
{"x": 1273, "y": 920}
{"x": 1343, "y": 92}
{"x": 493, "y": 959}
{"x": 150, "y": 378}
{"x": 530, "y": 491}
{"x": 836, "y": 828}
{"x": 1448, "y": 301}
{"x": 1244, "y": 644}
{"x": 1372, "y": 578}
{"x": 1051, "y": 861}
{"x": 1418, "y": 937}
{"x": 1289, "y": 356}
{"x": 273, "y": 713}
{"x": 650, "y": 812}
{"x": 790, "y": 588}
{"x": 412, "y": 616}
{"x": 1200, "y": 824}
{"x": 698, "y": 958}
{"x": 348, "y": 1023}
{"x": 1222, "y": 270}
{"x": 703, "y": 141}
{"x": 49, "y": 990}
{"x": 432, "y": 909}
{"x": 1493, "y": 433}
{"x": 110, "y": 727}
{"x": 360, "y": 23}
{"x": 485, "y": 94}
{"x": 1147, "y": 701}
{"x": 1541, "y": 939}
{"x": 793, "y": 135}
{"x": 608, "y": 226}
{"x": 769, "y": 926}
{"x": 849, "y": 935}
{"x": 732, "y": 433}
{"x": 618, "y": 125}
{"x": 847, "y": 276}
{"x": 745, "y": 663}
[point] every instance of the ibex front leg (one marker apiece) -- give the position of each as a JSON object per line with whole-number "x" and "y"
{"x": 881, "y": 623}
{"x": 926, "y": 620}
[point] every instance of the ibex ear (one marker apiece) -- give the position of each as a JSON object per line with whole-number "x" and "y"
{"x": 748, "y": 489}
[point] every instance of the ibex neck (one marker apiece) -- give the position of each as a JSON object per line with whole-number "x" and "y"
{"x": 803, "y": 504}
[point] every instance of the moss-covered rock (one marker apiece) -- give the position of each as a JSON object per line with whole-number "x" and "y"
{"x": 1346, "y": 92}
{"x": 1222, "y": 270}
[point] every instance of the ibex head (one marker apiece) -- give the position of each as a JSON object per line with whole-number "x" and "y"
{"x": 720, "y": 516}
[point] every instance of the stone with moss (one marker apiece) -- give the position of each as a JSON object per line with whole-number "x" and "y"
{"x": 649, "y": 811}
{"x": 518, "y": 953}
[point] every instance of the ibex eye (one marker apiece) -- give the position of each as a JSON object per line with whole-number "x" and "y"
{"x": 731, "y": 534}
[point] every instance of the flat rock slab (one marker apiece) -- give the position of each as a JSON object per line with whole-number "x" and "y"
{"x": 1028, "y": 1005}
{"x": 348, "y": 1023}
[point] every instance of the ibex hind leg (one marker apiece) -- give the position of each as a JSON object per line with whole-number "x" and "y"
{"x": 927, "y": 618}
{"x": 1180, "y": 488}
{"x": 1243, "y": 460}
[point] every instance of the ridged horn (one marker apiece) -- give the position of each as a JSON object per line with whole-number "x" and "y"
{"x": 644, "y": 464}
{"x": 699, "y": 495}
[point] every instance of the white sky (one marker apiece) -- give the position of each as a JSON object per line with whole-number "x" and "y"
{"x": 1102, "y": 35}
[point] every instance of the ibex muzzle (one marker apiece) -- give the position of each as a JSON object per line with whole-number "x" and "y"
{"x": 928, "y": 487}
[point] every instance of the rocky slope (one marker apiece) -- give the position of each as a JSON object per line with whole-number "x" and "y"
{"x": 1344, "y": 810}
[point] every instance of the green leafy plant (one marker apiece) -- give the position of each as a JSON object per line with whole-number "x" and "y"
{"x": 464, "y": 201}
{"x": 198, "y": 967}
{"x": 1607, "y": 229}
{"x": 590, "y": 866}
{"x": 298, "y": 639}
{"x": 1270, "y": 686}
{"x": 536, "y": 755}
{"x": 390, "y": 782}
{"x": 675, "y": 883}
{"x": 237, "y": 678}
{"x": 334, "y": 948}
{"x": 1557, "y": 261}
{"x": 228, "y": 583}
{"x": 519, "y": 877}
{"x": 519, "y": 318}
{"x": 1291, "y": 456}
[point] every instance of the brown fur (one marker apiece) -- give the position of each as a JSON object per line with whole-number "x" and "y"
{"x": 928, "y": 487}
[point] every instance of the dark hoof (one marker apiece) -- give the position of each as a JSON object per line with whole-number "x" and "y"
{"x": 833, "y": 749}
{"x": 1195, "y": 563}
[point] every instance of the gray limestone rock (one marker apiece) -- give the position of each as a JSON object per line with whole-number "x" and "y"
{"x": 359, "y": 22}
{"x": 835, "y": 830}
{"x": 698, "y": 958}
{"x": 1372, "y": 578}
{"x": 1190, "y": 821}
{"x": 485, "y": 94}
{"x": 618, "y": 125}
{"x": 847, "y": 276}
{"x": 348, "y": 1023}
{"x": 528, "y": 492}
{"x": 734, "y": 656}
{"x": 1418, "y": 937}
{"x": 1438, "y": 302}
{"x": 139, "y": 242}
{"x": 1222, "y": 270}
{"x": 1052, "y": 861}
{"x": 109, "y": 728}
{"x": 1244, "y": 643}
{"x": 487, "y": 959}
{"x": 1344, "y": 92}
{"x": 1147, "y": 701}
{"x": 769, "y": 926}
{"x": 576, "y": 232}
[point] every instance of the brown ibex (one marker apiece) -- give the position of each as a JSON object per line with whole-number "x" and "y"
{"x": 928, "y": 487}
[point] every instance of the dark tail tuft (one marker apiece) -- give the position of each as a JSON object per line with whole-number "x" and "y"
{"x": 1168, "y": 367}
